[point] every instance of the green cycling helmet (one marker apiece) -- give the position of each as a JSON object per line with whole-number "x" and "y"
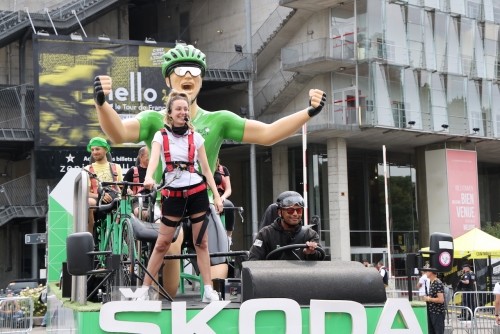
{"x": 183, "y": 54}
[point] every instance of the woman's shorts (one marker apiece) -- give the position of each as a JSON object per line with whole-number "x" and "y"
{"x": 183, "y": 207}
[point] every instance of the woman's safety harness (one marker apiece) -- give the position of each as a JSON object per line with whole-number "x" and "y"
{"x": 181, "y": 165}
{"x": 171, "y": 166}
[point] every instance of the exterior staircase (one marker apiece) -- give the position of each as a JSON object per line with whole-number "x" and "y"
{"x": 15, "y": 22}
{"x": 17, "y": 105}
{"x": 18, "y": 199}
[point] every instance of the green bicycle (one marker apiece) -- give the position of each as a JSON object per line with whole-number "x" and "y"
{"x": 116, "y": 243}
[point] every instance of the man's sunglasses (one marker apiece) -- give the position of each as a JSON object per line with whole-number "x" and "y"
{"x": 182, "y": 70}
{"x": 290, "y": 211}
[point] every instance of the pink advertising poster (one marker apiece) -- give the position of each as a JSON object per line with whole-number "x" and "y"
{"x": 462, "y": 191}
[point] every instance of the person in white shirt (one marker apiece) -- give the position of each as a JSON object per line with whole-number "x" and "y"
{"x": 423, "y": 282}
{"x": 180, "y": 148}
{"x": 496, "y": 292}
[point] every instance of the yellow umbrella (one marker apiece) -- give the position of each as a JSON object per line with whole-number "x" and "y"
{"x": 476, "y": 243}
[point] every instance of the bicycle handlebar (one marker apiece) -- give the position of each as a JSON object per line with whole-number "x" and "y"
{"x": 109, "y": 205}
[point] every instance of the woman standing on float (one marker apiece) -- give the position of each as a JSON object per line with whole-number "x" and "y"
{"x": 185, "y": 194}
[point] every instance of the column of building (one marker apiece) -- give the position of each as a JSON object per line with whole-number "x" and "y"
{"x": 338, "y": 199}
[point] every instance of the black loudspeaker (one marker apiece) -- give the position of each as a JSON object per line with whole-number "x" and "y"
{"x": 442, "y": 246}
{"x": 306, "y": 280}
{"x": 65, "y": 283}
{"x": 411, "y": 265}
{"x": 77, "y": 246}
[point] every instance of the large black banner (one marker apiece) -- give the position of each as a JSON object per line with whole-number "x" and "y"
{"x": 53, "y": 164}
{"x": 64, "y": 77}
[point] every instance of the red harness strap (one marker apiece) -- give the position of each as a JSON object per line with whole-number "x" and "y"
{"x": 168, "y": 158}
{"x": 136, "y": 189}
{"x": 93, "y": 181}
{"x": 184, "y": 193}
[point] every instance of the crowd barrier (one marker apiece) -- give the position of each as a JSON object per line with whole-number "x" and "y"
{"x": 468, "y": 312}
{"x": 16, "y": 315}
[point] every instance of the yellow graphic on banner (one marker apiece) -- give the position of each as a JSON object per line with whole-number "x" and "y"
{"x": 150, "y": 56}
{"x": 66, "y": 72}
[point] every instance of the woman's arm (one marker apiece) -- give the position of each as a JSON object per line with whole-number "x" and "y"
{"x": 205, "y": 169}
{"x": 153, "y": 163}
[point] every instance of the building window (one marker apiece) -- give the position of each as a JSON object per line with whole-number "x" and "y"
{"x": 398, "y": 112}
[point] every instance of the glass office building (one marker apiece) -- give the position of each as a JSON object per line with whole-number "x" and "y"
{"x": 425, "y": 70}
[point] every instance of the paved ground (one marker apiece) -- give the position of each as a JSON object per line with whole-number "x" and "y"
{"x": 39, "y": 330}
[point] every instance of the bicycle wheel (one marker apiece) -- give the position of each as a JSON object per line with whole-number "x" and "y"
{"x": 125, "y": 275}
{"x": 111, "y": 281}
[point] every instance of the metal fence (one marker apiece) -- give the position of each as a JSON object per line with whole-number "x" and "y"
{"x": 16, "y": 315}
{"x": 17, "y": 105}
{"x": 228, "y": 61}
{"x": 468, "y": 312}
{"x": 18, "y": 191}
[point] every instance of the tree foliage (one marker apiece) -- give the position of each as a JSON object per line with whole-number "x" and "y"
{"x": 492, "y": 229}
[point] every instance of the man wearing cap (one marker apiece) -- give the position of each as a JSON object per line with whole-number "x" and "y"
{"x": 435, "y": 304}
{"x": 287, "y": 230}
{"x": 105, "y": 171}
{"x": 468, "y": 283}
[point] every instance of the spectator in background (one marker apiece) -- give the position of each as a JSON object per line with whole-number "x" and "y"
{"x": 496, "y": 292}
{"x": 435, "y": 304}
{"x": 223, "y": 182}
{"x": 383, "y": 272}
{"x": 423, "y": 285}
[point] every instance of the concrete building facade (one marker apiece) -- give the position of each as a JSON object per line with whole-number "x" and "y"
{"x": 413, "y": 75}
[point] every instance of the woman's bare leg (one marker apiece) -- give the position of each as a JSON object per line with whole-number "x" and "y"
{"x": 161, "y": 247}
{"x": 219, "y": 270}
{"x": 172, "y": 268}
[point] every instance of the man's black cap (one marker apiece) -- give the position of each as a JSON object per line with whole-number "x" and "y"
{"x": 466, "y": 265}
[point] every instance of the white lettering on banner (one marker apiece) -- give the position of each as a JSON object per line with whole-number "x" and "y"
{"x": 465, "y": 211}
{"x": 198, "y": 324}
{"x": 108, "y": 311}
{"x": 249, "y": 309}
{"x": 319, "y": 308}
{"x": 132, "y": 91}
{"x": 467, "y": 198}
{"x": 121, "y": 94}
{"x": 392, "y": 307}
{"x": 461, "y": 187}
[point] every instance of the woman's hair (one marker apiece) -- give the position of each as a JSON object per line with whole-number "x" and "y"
{"x": 174, "y": 96}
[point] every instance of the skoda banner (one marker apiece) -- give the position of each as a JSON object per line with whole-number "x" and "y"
{"x": 64, "y": 80}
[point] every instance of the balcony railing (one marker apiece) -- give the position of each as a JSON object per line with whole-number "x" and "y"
{"x": 323, "y": 49}
{"x": 330, "y": 115}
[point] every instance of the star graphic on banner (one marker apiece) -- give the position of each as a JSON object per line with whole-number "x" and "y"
{"x": 70, "y": 158}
